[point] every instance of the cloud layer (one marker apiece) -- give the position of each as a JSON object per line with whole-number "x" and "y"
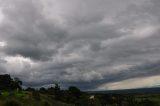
{"x": 87, "y": 43}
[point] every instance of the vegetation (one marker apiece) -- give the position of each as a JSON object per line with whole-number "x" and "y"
{"x": 12, "y": 94}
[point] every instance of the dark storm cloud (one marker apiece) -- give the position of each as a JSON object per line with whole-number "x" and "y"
{"x": 28, "y": 32}
{"x": 86, "y": 43}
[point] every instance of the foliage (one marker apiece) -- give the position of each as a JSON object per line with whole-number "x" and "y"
{"x": 74, "y": 91}
{"x": 8, "y": 83}
{"x": 17, "y": 83}
{"x": 42, "y": 90}
{"x": 57, "y": 92}
{"x": 30, "y": 89}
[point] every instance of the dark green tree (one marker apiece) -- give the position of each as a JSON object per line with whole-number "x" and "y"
{"x": 17, "y": 83}
{"x": 74, "y": 91}
{"x": 42, "y": 90}
{"x": 57, "y": 92}
{"x": 30, "y": 89}
{"x": 5, "y": 82}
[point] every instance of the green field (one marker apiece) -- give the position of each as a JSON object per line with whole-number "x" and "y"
{"x": 25, "y": 98}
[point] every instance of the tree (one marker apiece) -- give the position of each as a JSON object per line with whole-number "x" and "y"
{"x": 5, "y": 82}
{"x": 30, "y": 89}
{"x": 74, "y": 91}
{"x": 8, "y": 83}
{"x": 17, "y": 83}
{"x": 42, "y": 90}
{"x": 57, "y": 91}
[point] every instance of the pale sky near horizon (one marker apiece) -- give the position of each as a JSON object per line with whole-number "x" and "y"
{"x": 91, "y": 44}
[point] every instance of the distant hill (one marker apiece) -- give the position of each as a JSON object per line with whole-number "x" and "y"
{"x": 130, "y": 91}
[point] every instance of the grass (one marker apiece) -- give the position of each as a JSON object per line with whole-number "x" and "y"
{"x": 5, "y": 93}
{"x": 24, "y": 98}
{"x": 14, "y": 93}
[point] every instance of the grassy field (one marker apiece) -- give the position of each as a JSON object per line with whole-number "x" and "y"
{"x": 27, "y": 98}
{"x": 24, "y": 98}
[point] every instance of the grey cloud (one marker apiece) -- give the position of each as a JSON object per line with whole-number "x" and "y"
{"x": 29, "y": 33}
{"x": 84, "y": 43}
{"x": 2, "y": 67}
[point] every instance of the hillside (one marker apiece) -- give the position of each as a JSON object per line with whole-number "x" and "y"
{"x": 12, "y": 94}
{"x": 155, "y": 90}
{"x": 26, "y": 98}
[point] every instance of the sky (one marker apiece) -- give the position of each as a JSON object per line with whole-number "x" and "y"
{"x": 91, "y": 44}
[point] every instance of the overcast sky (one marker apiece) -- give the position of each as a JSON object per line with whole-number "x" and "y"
{"x": 92, "y": 44}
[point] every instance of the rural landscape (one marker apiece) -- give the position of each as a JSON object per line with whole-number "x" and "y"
{"x": 12, "y": 94}
{"x": 79, "y": 52}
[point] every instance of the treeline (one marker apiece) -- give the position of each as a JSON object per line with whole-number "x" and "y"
{"x": 72, "y": 95}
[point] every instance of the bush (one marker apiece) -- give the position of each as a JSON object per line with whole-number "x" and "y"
{"x": 12, "y": 103}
